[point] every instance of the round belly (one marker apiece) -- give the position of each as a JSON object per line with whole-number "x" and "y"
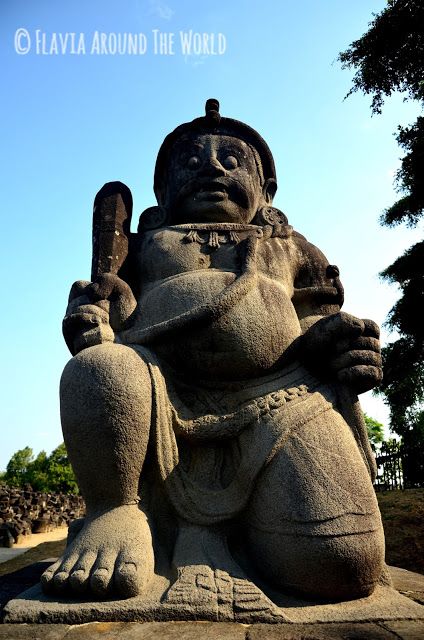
{"x": 246, "y": 339}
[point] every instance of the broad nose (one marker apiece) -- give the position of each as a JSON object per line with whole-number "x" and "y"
{"x": 212, "y": 167}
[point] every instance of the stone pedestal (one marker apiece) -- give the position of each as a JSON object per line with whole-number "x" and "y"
{"x": 386, "y": 615}
{"x": 386, "y": 604}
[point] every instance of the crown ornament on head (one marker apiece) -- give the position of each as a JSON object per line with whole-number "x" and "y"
{"x": 212, "y": 112}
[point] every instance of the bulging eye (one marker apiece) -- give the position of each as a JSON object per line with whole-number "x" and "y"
{"x": 230, "y": 162}
{"x": 193, "y": 162}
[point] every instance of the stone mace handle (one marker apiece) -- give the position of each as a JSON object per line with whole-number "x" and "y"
{"x": 111, "y": 228}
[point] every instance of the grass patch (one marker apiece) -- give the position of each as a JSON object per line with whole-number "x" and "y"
{"x": 403, "y": 516}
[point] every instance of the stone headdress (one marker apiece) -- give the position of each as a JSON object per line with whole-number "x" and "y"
{"x": 213, "y": 123}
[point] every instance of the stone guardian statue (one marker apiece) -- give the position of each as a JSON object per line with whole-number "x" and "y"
{"x": 210, "y": 409}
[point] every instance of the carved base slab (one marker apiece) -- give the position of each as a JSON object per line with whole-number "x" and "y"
{"x": 32, "y": 606}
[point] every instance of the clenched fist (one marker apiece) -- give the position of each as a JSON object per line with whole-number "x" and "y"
{"x": 346, "y": 348}
{"x": 96, "y": 311}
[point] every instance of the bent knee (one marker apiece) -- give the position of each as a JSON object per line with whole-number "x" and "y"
{"x": 103, "y": 362}
{"x": 327, "y": 568}
{"x": 102, "y": 356}
{"x": 104, "y": 373}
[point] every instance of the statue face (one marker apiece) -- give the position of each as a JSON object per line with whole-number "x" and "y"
{"x": 213, "y": 178}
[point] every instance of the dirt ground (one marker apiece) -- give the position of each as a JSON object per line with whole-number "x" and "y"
{"x": 36, "y": 554}
{"x": 403, "y": 520}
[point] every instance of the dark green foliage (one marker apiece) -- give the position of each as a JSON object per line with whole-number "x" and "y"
{"x": 390, "y": 58}
{"x": 390, "y": 55}
{"x": 409, "y": 178}
{"x": 44, "y": 473}
{"x": 407, "y": 267}
{"x": 403, "y": 382}
{"x": 403, "y": 360}
{"x": 17, "y": 467}
{"x": 413, "y": 452}
{"x": 59, "y": 472}
{"x": 375, "y": 431}
{"x": 37, "y": 472}
{"x": 390, "y": 465}
{"x": 400, "y": 462}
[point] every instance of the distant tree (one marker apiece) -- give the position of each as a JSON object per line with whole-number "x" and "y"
{"x": 413, "y": 452}
{"x": 59, "y": 472}
{"x": 403, "y": 383}
{"x": 17, "y": 467}
{"x": 37, "y": 473}
{"x": 375, "y": 431}
{"x": 389, "y": 58}
{"x": 44, "y": 473}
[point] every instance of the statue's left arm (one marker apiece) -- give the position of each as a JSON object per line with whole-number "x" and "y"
{"x": 335, "y": 344}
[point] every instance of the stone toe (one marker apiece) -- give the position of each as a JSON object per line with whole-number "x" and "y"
{"x": 60, "y": 581}
{"x": 102, "y": 574}
{"x": 128, "y": 579}
{"x": 47, "y": 577}
{"x": 100, "y": 581}
{"x": 79, "y": 578}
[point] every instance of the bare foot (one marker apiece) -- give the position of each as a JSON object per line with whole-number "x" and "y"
{"x": 112, "y": 555}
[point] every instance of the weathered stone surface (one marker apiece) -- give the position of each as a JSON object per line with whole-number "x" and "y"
{"x": 334, "y": 631}
{"x": 407, "y": 629}
{"x": 173, "y": 631}
{"x": 33, "y": 606}
{"x": 13, "y": 584}
{"x": 409, "y": 583}
{"x": 210, "y": 410}
{"x": 33, "y": 631}
{"x": 399, "y": 630}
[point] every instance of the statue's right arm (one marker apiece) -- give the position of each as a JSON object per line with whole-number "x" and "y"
{"x": 334, "y": 343}
{"x": 97, "y": 311}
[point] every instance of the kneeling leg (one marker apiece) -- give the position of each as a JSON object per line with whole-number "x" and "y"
{"x": 314, "y": 526}
{"x": 105, "y": 411}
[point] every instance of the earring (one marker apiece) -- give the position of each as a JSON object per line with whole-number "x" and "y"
{"x": 274, "y": 218}
{"x": 153, "y": 218}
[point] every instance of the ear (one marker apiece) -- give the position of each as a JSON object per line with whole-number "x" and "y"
{"x": 269, "y": 189}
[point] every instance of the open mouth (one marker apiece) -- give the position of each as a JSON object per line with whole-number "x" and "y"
{"x": 212, "y": 190}
{"x": 211, "y": 195}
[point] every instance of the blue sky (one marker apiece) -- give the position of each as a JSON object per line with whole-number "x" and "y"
{"x": 71, "y": 122}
